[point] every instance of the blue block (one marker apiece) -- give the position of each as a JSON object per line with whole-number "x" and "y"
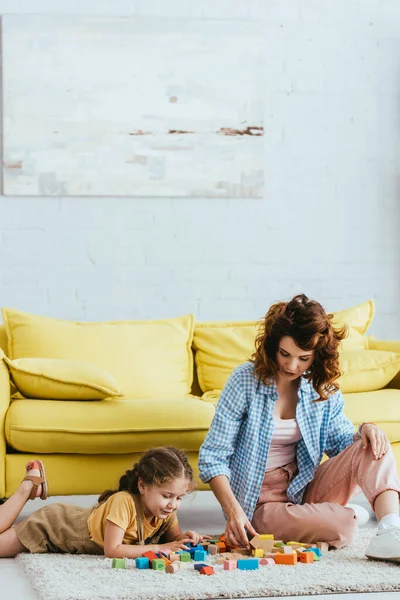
{"x": 199, "y": 566}
{"x": 142, "y": 563}
{"x": 200, "y": 555}
{"x": 193, "y": 549}
{"x": 247, "y": 564}
{"x": 316, "y": 551}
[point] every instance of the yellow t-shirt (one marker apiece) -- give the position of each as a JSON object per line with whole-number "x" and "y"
{"x": 120, "y": 509}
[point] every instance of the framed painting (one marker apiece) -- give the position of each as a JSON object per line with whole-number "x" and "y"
{"x": 132, "y": 107}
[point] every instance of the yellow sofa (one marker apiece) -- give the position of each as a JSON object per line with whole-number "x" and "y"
{"x": 170, "y": 373}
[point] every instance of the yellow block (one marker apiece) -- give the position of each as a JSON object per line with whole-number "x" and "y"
{"x": 266, "y": 536}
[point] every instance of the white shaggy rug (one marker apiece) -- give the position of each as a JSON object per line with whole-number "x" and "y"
{"x": 68, "y": 577}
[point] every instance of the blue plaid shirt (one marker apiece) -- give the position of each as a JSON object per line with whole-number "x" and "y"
{"x": 240, "y": 435}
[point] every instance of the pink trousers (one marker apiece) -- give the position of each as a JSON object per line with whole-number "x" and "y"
{"x": 323, "y": 516}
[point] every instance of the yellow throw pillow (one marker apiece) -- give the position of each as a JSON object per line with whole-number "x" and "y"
{"x": 58, "y": 379}
{"x": 148, "y": 359}
{"x": 220, "y": 348}
{"x": 358, "y": 319}
{"x": 367, "y": 370}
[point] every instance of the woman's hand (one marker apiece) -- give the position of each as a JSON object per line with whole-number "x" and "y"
{"x": 371, "y": 434}
{"x": 236, "y": 526}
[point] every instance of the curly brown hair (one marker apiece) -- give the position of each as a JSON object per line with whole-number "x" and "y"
{"x": 311, "y": 328}
{"x": 156, "y": 467}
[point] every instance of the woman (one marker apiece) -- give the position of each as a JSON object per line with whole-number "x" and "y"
{"x": 276, "y": 417}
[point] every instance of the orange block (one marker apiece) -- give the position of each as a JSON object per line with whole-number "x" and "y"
{"x": 207, "y": 571}
{"x": 286, "y": 559}
{"x": 221, "y": 546}
{"x": 306, "y": 557}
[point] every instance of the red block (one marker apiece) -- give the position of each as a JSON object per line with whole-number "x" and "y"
{"x": 150, "y": 555}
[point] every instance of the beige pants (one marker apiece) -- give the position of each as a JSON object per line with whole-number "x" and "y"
{"x": 323, "y": 516}
{"x": 57, "y": 528}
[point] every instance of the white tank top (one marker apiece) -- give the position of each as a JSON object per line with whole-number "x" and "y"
{"x": 283, "y": 444}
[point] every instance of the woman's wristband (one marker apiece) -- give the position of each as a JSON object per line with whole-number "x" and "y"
{"x": 362, "y": 425}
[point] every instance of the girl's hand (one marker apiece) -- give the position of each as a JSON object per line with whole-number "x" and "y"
{"x": 371, "y": 434}
{"x": 175, "y": 545}
{"x": 195, "y": 537}
{"x": 236, "y": 526}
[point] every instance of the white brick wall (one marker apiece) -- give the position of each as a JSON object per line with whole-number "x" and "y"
{"x": 328, "y": 225}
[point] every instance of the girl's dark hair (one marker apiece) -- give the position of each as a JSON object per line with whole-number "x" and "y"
{"x": 156, "y": 467}
{"x": 311, "y": 328}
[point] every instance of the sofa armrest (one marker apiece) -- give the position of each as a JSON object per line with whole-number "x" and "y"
{"x": 5, "y": 398}
{"x": 389, "y": 346}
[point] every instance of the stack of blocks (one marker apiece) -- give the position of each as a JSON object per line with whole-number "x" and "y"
{"x": 265, "y": 551}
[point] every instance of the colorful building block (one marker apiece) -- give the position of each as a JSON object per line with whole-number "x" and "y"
{"x": 265, "y": 544}
{"x": 247, "y": 564}
{"x": 158, "y": 564}
{"x": 243, "y": 551}
{"x": 287, "y": 549}
{"x": 207, "y": 571}
{"x": 164, "y": 558}
{"x": 221, "y": 546}
{"x": 213, "y": 550}
{"x": 267, "y": 562}
{"x": 185, "y": 557}
{"x": 142, "y": 562}
{"x": 316, "y": 551}
{"x": 200, "y": 555}
{"x": 266, "y": 536}
{"x": 173, "y": 567}
{"x": 199, "y": 566}
{"x": 323, "y": 546}
{"x": 306, "y": 557}
{"x": 258, "y": 552}
{"x": 118, "y": 563}
{"x": 230, "y": 565}
{"x": 150, "y": 555}
{"x": 286, "y": 559}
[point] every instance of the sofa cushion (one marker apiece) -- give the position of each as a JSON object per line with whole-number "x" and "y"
{"x": 148, "y": 359}
{"x": 55, "y": 378}
{"x": 221, "y": 346}
{"x": 365, "y": 370}
{"x": 380, "y": 406}
{"x": 357, "y": 318}
{"x": 110, "y": 426}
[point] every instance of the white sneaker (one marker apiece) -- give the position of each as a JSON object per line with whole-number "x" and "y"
{"x": 361, "y": 513}
{"x": 385, "y": 545}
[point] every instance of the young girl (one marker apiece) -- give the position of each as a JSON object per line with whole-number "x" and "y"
{"x": 125, "y": 522}
{"x": 276, "y": 417}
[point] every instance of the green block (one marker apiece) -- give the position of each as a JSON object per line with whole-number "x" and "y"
{"x": 158, "y": 564}
{"x": 185, "y": 557}
{"x": 118, "y": 563}
{"x": 279, "y": 545}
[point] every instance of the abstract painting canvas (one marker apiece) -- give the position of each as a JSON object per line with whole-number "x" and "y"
{"x": 132, "y": 107}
